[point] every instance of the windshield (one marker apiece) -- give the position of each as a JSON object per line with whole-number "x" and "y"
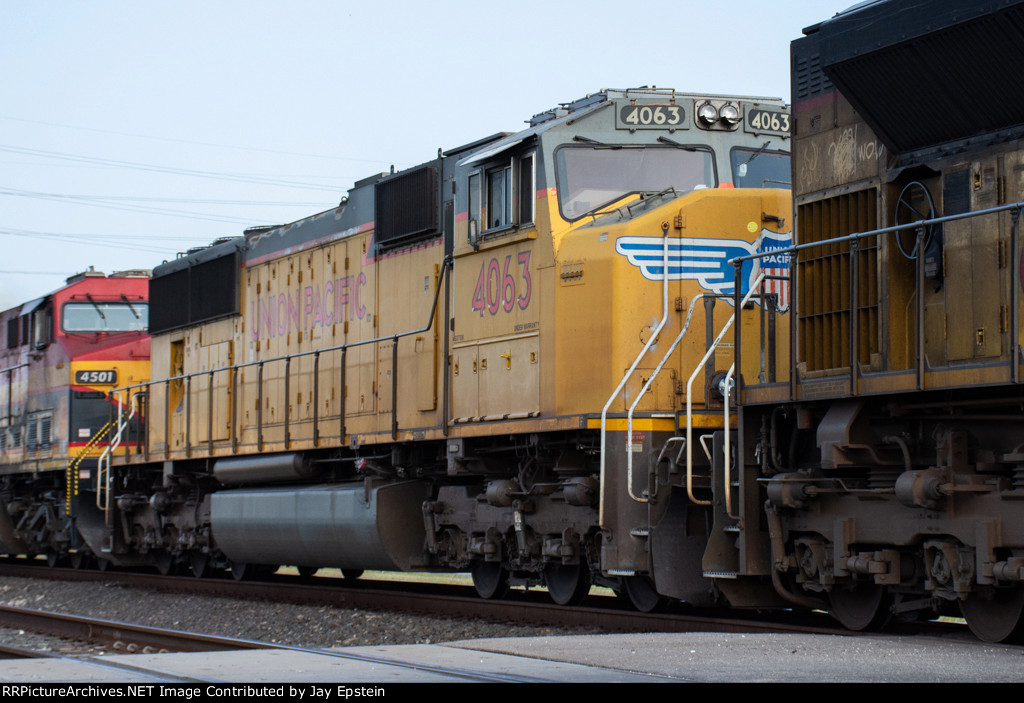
{"x": 105, "y": 317}
{"x": 590, "y": 177}
{"x": 759, "y": 169}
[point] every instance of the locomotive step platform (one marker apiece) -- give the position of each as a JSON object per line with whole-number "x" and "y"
{"x": 630, "y": 658}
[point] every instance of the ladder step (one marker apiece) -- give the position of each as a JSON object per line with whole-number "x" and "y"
{"x": 721, "y": 575}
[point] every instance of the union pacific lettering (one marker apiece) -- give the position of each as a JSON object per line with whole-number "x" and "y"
{"x": 310, "y": 307}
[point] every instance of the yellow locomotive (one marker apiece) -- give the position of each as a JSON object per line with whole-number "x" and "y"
{"x": 499, "y": 361}
{"x": 607, "y": 350}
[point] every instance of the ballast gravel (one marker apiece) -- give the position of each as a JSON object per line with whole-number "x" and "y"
{"x": 276, "y": 623}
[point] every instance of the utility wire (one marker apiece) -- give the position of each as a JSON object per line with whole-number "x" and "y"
{"x": 198, "y": 143}
{"x": 217, "y": 175}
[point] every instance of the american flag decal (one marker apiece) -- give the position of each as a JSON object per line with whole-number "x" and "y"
{"x": 775, "y": 264}
{"x": 706, "y": 261}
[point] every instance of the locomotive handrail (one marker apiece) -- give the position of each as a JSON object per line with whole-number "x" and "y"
{"x": 727, "y": 444}
{"x": 103, "y": 464}
{"x": 629, "y": 373}
{"x": 739, "y": 260}
{"x": 71, "y": 477}
{"x": 640, "y": 395}
{"x": 689, "y": 388}
{"x": 853, "y": 238}
{"x": 343, "y": 348}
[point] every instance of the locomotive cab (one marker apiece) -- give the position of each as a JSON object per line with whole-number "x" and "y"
{"x": 62, "y": 356}
{"x": 487, "y": 362}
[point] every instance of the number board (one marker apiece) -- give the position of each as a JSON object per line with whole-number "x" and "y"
{"x": 96, "y": 377}
{"x": 766, "y": 122}
{"x": 651, "y": 116}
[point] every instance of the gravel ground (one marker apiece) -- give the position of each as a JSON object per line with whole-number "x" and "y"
{"x": 278, "y": 623}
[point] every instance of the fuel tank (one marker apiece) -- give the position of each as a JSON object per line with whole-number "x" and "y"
{"x": 358, "y": 526}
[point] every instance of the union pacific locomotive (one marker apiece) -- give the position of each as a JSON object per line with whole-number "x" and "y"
{"x": 475, "y": 364}
{"x": 607, "y": 350}
{"x": 482, "y": 363}
{"x": 890, "y": 454}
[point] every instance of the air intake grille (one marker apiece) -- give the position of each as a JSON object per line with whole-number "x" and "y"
{"x": 824, "y": 282}
{"x": 406, "y": 207}
{"x": 198, "y": 292}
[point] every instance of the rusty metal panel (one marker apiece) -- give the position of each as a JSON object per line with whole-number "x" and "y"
{"x": 836, "y": 157}
{"x": 975, "y": 271}
{"x": 990, "y": 269}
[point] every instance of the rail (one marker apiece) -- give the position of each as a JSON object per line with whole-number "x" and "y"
{"x": 103, "y": 464}
{"x": 700, "y": 365}
{"x": 71, "y": 482}
{"x": 920, "y": 228}
{"x": 144, "y": 389}
{"x": 640, "y": 395}
{"x": 628, "y": 375}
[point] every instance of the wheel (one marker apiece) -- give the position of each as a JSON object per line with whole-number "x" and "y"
{"x": 642, "y": 594}
{"x": 490, "y": 579}
{"x": 53, "y": 558}
{"x": 568, "y": 584}
{"x": 199, "y": 564}
{"x": 241, "y": 571}
{"x": 103, "y": 564}
{"x": 80, "y": 560}
{"x": 351, "y": 574}
{"x": 860, "y": 606}
{"x": 306, "y": 572}
{"x": 164, "y": 563}
{"x": 998, "y": 618}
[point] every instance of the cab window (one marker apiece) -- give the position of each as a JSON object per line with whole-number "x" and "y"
{"x": 593, "y": 177}
{"x": 759, "y": 168}
{"x": 501, "y": 196}
{"x": 94, "y": 317}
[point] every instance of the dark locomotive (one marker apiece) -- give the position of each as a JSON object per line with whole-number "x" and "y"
{"x": 891, "y": 455}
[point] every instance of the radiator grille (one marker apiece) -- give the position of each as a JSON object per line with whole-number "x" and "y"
{"x": 824, "y": 291}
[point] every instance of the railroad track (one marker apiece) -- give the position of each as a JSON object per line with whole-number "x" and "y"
{"x": 131, "y": 639}
{"x": 120, "y": 636}
{"x": 525, "y": 607}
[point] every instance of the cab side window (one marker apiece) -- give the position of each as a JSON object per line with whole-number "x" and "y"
{"x": 501, "y": 196}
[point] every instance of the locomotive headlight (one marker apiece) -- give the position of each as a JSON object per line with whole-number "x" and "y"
{"x": 707, "y": 114}
{"x": 730, "y": 114}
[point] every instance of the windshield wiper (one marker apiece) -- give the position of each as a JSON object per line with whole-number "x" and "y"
{"x": 598, "y": 211}
{"x": 601, "y": 145}
{"x": 757, "y": 153}
{"x": 129, "y": 304}
{"x": 89, "y": 298}
{"x": 684, "y": 147}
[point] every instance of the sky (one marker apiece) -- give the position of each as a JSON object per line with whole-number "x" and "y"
{"x": 132, "y": 130}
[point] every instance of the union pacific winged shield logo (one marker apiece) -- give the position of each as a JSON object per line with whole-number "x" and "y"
{"x": 706, "y": 261}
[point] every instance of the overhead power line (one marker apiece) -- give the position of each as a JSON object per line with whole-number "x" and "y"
{"x": 198, "y": 143}
{"x": 154, "y": 168}
{"x": 100, "y": 201}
